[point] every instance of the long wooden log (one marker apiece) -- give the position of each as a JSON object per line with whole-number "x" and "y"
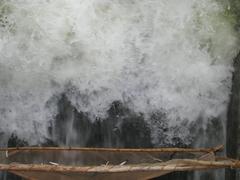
{"x": 167, "y": 150}
{"x": 175, "y": 165}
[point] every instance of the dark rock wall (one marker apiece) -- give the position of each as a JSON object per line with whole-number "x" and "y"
{"x": 233, "y": 119}
{"x": 121, "y": 128}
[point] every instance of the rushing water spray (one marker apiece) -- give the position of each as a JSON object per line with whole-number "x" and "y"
{"x": 168, "y": 57}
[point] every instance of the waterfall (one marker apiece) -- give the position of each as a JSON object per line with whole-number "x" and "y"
{"x": 72, "y": 71}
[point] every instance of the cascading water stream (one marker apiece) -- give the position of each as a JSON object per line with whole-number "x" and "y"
{"x": 104, "y": 73}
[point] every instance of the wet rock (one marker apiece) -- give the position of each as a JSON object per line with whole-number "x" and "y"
{"x": 233, "y": 119}
{"x": 14, "y": 141}
{"x": 121, "y": 128}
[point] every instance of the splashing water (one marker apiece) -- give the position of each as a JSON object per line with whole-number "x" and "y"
{"x": 152, "y": 55}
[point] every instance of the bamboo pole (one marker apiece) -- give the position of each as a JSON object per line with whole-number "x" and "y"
{"x": 145, "y": 150}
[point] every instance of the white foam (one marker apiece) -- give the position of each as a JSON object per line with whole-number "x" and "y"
{"x": 153, "y": 55}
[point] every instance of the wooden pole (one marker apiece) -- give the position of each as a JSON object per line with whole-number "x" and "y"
{"x": 166, "y": 150}
{"x": 173, "y": 165}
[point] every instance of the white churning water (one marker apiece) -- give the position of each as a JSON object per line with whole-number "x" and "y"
{"x": 168, "y": 56}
